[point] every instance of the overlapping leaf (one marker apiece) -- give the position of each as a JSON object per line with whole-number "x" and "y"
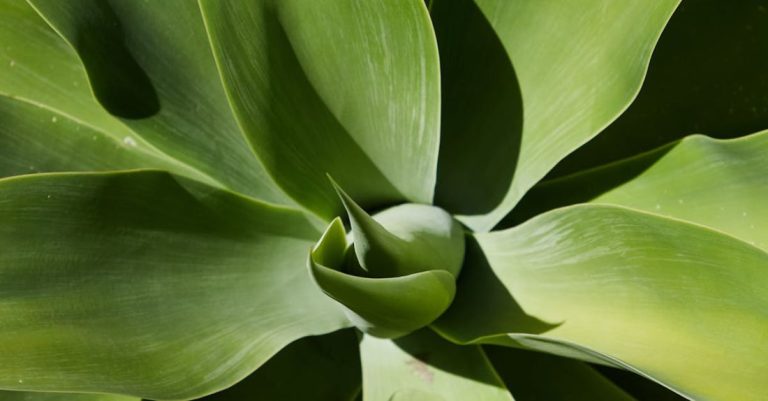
{"x": 708, "y": 75}
{"x": 144, "y": 284}
{"x": 345, "y": 87}
{"x": 385, "y": 306}
{"x": 578, "y": 66}
{"x": 632, "y": 289}
{"x": 50, "y": 120}
{"x": 151, "y": 65}
{"x": 722, "y": 184}
{"x": 148, "y": 284}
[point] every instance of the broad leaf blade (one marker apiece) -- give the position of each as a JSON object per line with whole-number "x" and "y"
{"x": 48, "y": 112}
{"x": 321, "y": 368}
{"x": 578, "y": 65}
{"x": 35, "y": 139}
{"x": 151, "y": 65}
{"x": 692, "y": 292}
{"x": 145, "y": 284}
{"x": 312, "y": 101}
{"x": 722, "y": 184}
{"x": 423, "y": 366}
{"x": 41, "y": 69}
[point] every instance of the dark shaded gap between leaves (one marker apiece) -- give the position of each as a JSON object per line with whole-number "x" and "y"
{"x": 321, "y": 367}
{"x": 531, "y": 375}
{"x": 641, "y": 388}
{"x": 482, "y": 111}
{"x": 118, "y": 81}
{"x": 580, "y": 187}
{"x": 478, "y": 288}
{"x": 708, "y": 74}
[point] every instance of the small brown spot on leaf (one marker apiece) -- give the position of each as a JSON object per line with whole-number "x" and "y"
{"x": 420, "y": 367}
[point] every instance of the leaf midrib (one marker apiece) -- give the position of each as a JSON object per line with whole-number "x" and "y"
{"x": 155, "y": 153}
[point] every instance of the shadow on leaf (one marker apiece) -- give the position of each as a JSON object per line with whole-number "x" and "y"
{"x": 482, "y": 111}
{"x": 483, "y": 306}
{"x": 708, "y": 75}
{"x": 118, "y": 81}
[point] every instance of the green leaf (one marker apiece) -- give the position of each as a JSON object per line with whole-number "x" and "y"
{"x": 151, "y": 65}
{"x": 49, "y": 114}
{"x": 677, "y": 302}
{"x": 35, "y": 139}
{"x": 146, "y": 284}
{"x": 533, "y": 376}
{"x": 717, "y": 183}
{"x": 33, "y": 396}
{"x": 321, "y": 368}
{"x": 579, "y": 65}
{"x": 40, "y": 69}
{"x": 385, "y": 307}
{"x": 404, "y": 239}
{"x": 722, "y": 184}
{"x": 723, "y": 96}
{"x": 424, "y": 367}
{"x": 312, "y": 101}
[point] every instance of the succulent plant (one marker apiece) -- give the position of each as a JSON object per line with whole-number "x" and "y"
{"x": 387, "y": 200}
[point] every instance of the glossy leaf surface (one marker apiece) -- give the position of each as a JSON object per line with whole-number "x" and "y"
{"x": 312, "y": 101}
{"x": 694, "y": 293}
{"x": 146, "y": 284}
{"x": 176, "y": 283}
{"x": 722, "y": 184}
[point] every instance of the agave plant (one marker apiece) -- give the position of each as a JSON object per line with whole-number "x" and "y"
{"x": 383, "y": 200}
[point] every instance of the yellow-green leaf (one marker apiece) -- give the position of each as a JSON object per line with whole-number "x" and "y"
{"x": 677, "y": 302}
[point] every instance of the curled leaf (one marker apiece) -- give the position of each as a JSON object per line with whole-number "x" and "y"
{"x": 384, "y": 307}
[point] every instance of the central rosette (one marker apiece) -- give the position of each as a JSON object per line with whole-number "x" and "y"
{"x": 396, "y": 271}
